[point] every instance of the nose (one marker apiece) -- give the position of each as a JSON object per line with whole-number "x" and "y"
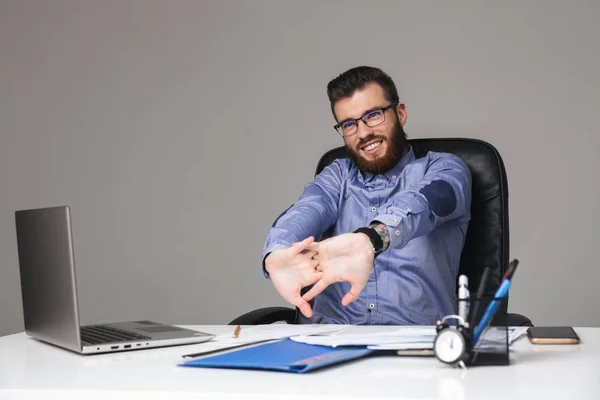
{"x": 362, "y": 130}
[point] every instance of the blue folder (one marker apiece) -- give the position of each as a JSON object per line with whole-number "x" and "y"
{"x": 283, "y": 355}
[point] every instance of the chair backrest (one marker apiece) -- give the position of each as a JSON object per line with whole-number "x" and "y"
{"x": 487, "y": 240}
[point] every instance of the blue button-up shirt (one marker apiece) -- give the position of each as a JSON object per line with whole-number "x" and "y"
{"x": 425, "y": 204}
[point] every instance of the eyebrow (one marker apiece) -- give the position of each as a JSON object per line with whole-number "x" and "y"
{"x": 363, "y": 114}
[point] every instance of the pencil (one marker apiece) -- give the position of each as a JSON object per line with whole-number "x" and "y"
{"x": 236, "y": 332}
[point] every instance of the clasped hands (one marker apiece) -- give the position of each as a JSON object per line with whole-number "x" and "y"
{"x": 343, "y": 258}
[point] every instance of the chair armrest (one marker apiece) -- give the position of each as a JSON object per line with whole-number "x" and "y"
{"x": 518, "y": 320}
{"x": 266, "y": 315}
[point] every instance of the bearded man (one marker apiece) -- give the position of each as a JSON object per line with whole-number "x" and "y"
{"x": 399, "y": 222}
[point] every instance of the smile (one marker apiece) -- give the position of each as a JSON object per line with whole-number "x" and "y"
{"x": 372, "y": 147}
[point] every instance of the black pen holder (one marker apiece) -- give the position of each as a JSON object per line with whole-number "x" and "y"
{"x": 492, "y": 346}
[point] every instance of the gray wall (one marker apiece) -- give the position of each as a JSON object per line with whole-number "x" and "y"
{"x": 178, "y": 130}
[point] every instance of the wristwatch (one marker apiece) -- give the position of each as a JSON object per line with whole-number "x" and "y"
{"x": 376, "y": 240}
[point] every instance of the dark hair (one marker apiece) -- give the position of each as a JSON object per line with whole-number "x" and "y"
{"x": 345, "y": 84}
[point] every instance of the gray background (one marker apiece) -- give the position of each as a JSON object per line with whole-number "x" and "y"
{"x": 178, "y": 130}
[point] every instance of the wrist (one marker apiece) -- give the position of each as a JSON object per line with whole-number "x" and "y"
{"x": 365, "y": 241}
{"x": 268, "y": 264}
{"x": 382, "y": 231}
{"x": 374, "y": 239}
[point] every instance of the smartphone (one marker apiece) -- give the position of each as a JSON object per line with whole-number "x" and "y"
{"x": 552, "y": 335}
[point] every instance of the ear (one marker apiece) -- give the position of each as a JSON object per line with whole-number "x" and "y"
{"x": 401, "y": 112}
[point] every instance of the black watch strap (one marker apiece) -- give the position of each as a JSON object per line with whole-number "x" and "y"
{"x": 374, "y": 237}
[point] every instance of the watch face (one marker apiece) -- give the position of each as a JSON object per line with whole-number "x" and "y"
{"x": 449, "y": 346}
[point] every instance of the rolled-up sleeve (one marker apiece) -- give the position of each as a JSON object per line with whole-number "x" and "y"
{"x": 314, "y": 212}
{"x": 442, "y": 195}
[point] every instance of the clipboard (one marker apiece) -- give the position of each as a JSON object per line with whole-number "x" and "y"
{"x": 282, "y": 355}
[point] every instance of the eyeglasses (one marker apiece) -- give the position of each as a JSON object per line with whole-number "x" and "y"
{"x": 371, "y": 119}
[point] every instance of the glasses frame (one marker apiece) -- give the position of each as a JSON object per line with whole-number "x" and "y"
{"x": 382, "y": 109}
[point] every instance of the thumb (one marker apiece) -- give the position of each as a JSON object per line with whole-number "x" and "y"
{"x": 315, "y": 290}
{"x": 302, "y": 305}
{"x": 306, "y": 310}
{"x": 352, "y": 295}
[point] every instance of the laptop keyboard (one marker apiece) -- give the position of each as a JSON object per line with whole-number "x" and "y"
{"x": 98, "y": 334}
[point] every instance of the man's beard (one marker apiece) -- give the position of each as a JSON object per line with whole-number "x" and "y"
{"x": 395, "y": 151}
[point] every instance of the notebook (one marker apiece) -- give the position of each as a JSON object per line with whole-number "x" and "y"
{"x": 283, "y": 355}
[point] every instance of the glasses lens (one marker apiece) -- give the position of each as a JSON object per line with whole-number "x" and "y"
{"x": 374, "y": 118}
{"x": 348, "y": 128}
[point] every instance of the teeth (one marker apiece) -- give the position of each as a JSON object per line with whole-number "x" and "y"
{"x": 372, "y": 146}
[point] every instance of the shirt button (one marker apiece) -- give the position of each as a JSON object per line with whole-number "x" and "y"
{"x": 373, "y": 209}
{"x": 393, "y": 176}
{"x": 372, "y": 305}
{"x": 394, "y": 220}
{"x": 397, "y": 232}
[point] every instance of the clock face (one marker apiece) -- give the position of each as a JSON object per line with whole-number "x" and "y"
{"x": 449, "y": 346}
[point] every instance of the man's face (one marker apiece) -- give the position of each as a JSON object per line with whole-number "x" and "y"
{"x": 373, "y": 149}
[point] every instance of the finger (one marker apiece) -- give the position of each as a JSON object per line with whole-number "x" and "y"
{"x": 320, "y": 266}
{"x": 314, "y": 246}
{"x": 296, "y": 244}
{"x": 307, "y": 254}
{"x": 309, "y": 264}
{"x": 306, "y": 310}
{"x": 319, "y": 257}
{"x": 305, "y": 242}
{"x": 310, "y": 276}
{"x": 297, "y": 248}
{"x": 302, "y": 305}
{"x": 313, "y": 277}
{"x": 315, "y": 290}
{"x": 351, "y": 295}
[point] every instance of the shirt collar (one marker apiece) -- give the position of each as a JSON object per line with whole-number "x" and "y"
{"x": 394, "y": 172}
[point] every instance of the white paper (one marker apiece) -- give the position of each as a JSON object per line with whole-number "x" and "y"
{"x": 388, "y": 337}
{"x": 516, "y": 332}
{"x": 258, "y": 333}
{"x": 403, "y": 346}
{"x": 403, "y": 337}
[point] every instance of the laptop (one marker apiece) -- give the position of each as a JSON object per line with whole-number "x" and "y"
{"x": 49, "y": 292}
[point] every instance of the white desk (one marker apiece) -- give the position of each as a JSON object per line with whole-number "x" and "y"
{"x": 30, "y": 369}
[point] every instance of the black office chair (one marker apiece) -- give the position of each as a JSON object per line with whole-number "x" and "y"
{"x": 487, "y": 240}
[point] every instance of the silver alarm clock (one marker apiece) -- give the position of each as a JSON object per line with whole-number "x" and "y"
{"x": 452, "y": 344}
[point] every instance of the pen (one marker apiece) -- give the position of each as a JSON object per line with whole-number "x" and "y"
{"x": 236, "y": 332}
{"x": 485, "y": 277}
{"x": 501, "y": 293}
{"x": 463, "y": 297}
{"x": 510, "y": 269}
